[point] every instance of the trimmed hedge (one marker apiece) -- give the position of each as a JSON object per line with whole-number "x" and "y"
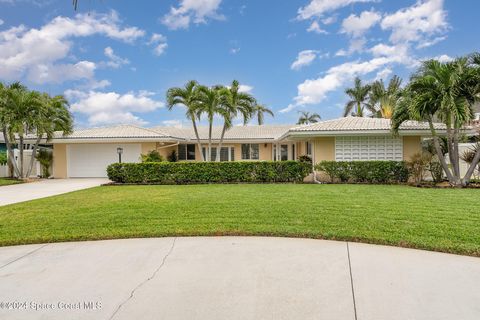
{"x": 208, "y": 172}
{"x": 381, "y": 172}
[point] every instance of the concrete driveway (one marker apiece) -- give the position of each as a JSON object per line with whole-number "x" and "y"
{"x": 45, "y": 188}
{"x": 235, "y": 278}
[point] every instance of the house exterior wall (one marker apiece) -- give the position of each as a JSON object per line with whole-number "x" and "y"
{"x": 324, "y": 149}
{"x": 411, "y": 145}
{"x": 60, "y": 161}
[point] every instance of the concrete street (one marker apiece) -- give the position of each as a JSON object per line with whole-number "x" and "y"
{"x": 235, "y": 278}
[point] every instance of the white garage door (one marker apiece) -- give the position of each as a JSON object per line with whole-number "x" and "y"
{"x": 91, "y": 160}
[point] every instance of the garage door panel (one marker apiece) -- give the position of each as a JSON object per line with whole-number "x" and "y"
{"x": 92, "y": 160}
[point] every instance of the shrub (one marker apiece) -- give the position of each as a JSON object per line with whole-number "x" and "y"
{"x": 417, "y": 166}
{"x": 172, "y": 157}
{"x": 152, "y": 156}
{"x": 435, "y": 169}
{"x": 3, "y": 158}
{"x": 365, "y": 171}
{"x": 45, "y": 158}
{"x": 208, "y": 172}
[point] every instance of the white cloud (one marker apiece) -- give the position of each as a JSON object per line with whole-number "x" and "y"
{"x": 159, "y": 42}
{"x": 192, "y": 11}
{"x": 330, "y": 20}
{"x": 112, "y": 107}
{"x": 304, "y": 58}
{"x": 313, "y": 91}
{"x": 443, "y": 58}
{"x": 383, "y": 74}
{"x": 411, "y": 24}
{"x": 315, "y": 27}
{"x": 356, "y": 26}
{"x": 37, "y": 53}
{"x": 317, "y": 8}
{"x": 58, "y": 73}
{"x": 1, "y": 22}
{"x": 245, "y": 88}
{"x": 356, "y": 45}
{"x": 114, "y": 60}
{"x": 429, "y": 43}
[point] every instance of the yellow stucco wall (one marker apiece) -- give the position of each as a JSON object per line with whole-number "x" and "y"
{"x": 60, "y": 161}
{"x": 411, "y": 145}
{"x": 324, "y": 149}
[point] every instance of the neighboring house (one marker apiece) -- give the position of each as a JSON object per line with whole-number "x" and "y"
{"x": 87, "y": 152}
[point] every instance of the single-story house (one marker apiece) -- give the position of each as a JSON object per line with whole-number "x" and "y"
{"x": 87, "y": 152}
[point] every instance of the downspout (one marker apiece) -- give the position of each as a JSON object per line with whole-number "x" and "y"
{"x": 313, "y": 164}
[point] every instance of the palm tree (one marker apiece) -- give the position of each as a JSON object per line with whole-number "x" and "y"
{"x": 260, "y": 111}
{"x": 307, "y": 117}
{"x": 210, "y": 102}
{"x": 52, "y": 115}
{"x": 384, "y": 99}
{"x": 234, "y": 103}
{"x": 445, "y": 92}
{"x": 22, "y": 109}
{"x": 189, "y": 97}
{"x": 24, "y": 112}
{"x": 358, "y": 99}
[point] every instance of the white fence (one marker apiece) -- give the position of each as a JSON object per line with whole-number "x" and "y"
{"x": 4, "y": 171}
{"x": 27, "y": 156}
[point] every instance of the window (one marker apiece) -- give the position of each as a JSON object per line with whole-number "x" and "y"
{"x": 368, "y": 148}
{"x": 284, "y": 152}
{"x": 293, "y": 151}
{"x": 250, "y": 151}
{"x": 308, "y": 148}
{"x": 186, "y": 152}
{"x": 226, "y": 153}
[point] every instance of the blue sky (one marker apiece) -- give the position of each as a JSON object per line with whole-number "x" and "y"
{"x": 114, "y": 60}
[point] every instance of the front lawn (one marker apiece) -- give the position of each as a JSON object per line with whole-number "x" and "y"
{"x": 436, "y": 219}
{"x": 7, "y": 181}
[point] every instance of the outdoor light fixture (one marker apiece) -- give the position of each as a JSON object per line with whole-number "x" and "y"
{"x": 119, "y": 151}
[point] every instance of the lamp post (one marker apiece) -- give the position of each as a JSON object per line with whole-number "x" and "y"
{"x": 119, "y": 151}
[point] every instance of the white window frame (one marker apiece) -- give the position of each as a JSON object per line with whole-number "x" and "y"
{"x": 230, "y": 148}
{"x": 365, "y": 148}
{"x": 250, "y": 151}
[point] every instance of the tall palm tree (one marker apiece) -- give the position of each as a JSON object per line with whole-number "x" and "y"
{"x": 234, "y": 103}
{"x": 260, "y": 110}
{"x": 383, "y": 99}
{"x": 307, "y": 117}
{"x": 189, "y": 97}
{"x": 23, "y": 108}
{"x": 358, "y": 99}
{"x": 51, "y": 115}
{"x": 210, "y": 98}
{"x": 445, "y": 92}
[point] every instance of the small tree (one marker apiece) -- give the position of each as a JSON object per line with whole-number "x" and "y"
{"x": 152, "y": 156}
{"x": 45, "y": 157}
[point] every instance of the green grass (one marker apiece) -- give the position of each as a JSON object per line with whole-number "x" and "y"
{"x": 7, "y": 182}
{"x": 435, "y": 219}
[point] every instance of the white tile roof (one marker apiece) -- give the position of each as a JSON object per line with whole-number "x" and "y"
{"x": 120, "y": 131}
{"x": 264, "y": 132}
{"x": 362, "y": 124}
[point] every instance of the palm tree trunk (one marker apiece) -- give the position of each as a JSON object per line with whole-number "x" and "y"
{"x": 11, "y": 155}
{"x": 441, "y": 158}
{"x": 210, "y": 125}
{"x": 217, "y": 158}
{"x": 199, "y": 145}
{"x": 472, "y": 167}
{"x": 20, "y": 145}
{"x": 359, "y": 110}
{"x": 456, "y": 156}
{"x": 32, "y": 159}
